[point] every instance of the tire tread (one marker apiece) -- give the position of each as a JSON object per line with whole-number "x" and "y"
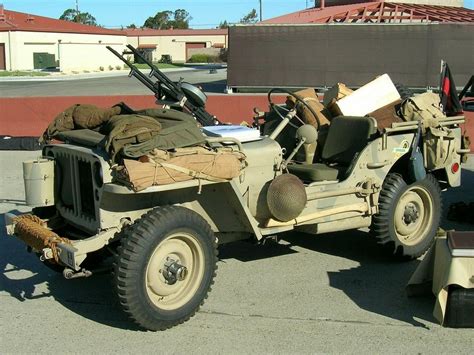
{"x": 136, "y": 241}
{"x": 393, "y": 186}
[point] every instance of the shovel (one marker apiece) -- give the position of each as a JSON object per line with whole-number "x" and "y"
{"x": 416, "y": 166}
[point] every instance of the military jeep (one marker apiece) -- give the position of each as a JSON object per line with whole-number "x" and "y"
{"x": 164, "y": 238}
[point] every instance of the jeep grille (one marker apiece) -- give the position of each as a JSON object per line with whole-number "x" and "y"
{"x": 76, "y": 192}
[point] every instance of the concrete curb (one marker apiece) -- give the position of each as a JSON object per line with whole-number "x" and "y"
{"x": 80, "y": 76}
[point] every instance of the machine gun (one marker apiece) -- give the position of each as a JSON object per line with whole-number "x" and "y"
{"x": 169, "y": 93}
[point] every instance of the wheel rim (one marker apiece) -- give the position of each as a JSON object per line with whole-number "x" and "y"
{"x": 413, "y": 215}
{"x": 179, "y": 255}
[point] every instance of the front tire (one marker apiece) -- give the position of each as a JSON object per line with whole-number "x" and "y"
{"x": 409, "y": 215}
{"x": 166, "y": 266}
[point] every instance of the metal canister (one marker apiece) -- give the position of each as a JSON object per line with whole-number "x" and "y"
{"x": 38, "y": 176}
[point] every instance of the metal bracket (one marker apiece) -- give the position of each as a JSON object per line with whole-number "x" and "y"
{"x": 73, "y": 255}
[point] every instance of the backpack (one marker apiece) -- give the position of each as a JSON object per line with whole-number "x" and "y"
{"x": 424, "y": 107}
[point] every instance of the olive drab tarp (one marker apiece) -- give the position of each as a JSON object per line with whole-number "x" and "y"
{"x": 129, "y": 133}
{"x": 124, "y": 130}
{"x": 178, "y": 130}
{"x": 79, "y": 117}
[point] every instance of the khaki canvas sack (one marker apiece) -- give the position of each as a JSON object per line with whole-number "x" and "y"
{"x": 162, "y": 167}
{"x": 438, "y": 141}
{"x": 424, "y": 107}
{"x": 439, "y": 145}
{"x": 311, "y": 98}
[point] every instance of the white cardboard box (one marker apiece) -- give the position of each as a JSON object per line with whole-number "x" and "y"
{"x": 369, "y": 98}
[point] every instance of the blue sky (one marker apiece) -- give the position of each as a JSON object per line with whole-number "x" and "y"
{"x": 205, "y": 13}
{"x": 114, "y": 13}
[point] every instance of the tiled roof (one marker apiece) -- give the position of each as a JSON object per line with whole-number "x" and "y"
{"x": 174, "y": 32}
{"x": 19, "y": 21}
{"x": 377, "y": 12}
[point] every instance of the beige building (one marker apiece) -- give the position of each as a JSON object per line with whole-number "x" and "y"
{"x": 30, "y": 42}
{"x": 179, "y": 44}
{"x": 34, "y": 42}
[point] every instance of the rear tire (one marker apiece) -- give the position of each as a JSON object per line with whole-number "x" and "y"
{"x": 409, "y": 215}
{"x": 166, "y": 266}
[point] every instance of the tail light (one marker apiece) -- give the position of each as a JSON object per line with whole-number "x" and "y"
{"x": 455, "y": 168}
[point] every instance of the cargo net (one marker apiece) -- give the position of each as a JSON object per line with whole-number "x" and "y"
{"x": 34, "y": 232}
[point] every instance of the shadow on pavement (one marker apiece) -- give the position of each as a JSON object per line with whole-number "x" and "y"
{"x": 206, "y": 66}
{"x": 378, "y": 284}
{"x": 464, "y": 193}
{"x": 24, "y": 277}
{"x": 217, "y": 86}
{"x": 249, "y": 251}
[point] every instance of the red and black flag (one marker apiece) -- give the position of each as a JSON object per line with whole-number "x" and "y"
{"x": 448, "y": 94}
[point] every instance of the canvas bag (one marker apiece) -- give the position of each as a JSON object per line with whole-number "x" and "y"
{"x": 162, "y": 167}
{"x": 424, "y": 107}
{"x": 310, "y": 97}
{"x": 437, "y": 140}
{"x": 438, "y": 145}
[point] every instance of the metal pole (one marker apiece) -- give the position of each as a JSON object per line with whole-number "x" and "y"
{"x": 260, "y": 1}
{"x": 77, "y": 5}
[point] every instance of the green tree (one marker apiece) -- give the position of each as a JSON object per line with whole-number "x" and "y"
{"x": 132, "y": 26}
{"x": 181, "y": 19}
{"x": 168, "y": 19}
{"x": 224, "y": 24}
{"x": 73, "y": 15}
{"x": 251, "y": 17}
{"x": 158, "y": 22}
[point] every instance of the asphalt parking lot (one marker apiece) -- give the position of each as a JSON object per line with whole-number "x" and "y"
{"x": 332, "y": 293}
{"x": 121, "y": 84}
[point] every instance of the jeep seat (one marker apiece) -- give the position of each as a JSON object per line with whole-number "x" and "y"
{"x": 347, "y": 137}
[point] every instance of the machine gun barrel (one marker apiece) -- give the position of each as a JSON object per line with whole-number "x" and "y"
{"x": 158, "y": 74}
{"x": 134, "y": 71}
{"x": 203, "y": 117}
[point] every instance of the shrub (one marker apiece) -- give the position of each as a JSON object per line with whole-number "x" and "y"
{"x": 111, "y": 67}
{"x": 101, "y": 68}
{"x": 203, "y": 58}
{"x": 223, "y": 54}
{"x": 118, "y": 67}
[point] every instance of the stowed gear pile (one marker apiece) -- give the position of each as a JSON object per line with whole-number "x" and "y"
{"x": 148, "y": 147}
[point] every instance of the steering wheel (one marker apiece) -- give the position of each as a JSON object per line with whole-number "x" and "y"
{"x": 297, "y": 98}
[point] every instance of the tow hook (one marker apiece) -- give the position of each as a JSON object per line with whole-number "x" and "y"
{"x": 71, "y": 274}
